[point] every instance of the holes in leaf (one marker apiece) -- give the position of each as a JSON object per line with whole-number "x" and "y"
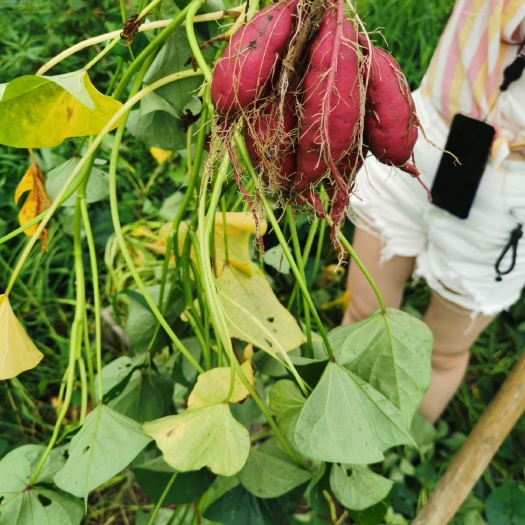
{"x": 2, "y": 498}
{"x": 268, "y": 342}
{"x": 271, "y": 319}
{"x": 86, "y": 448}
{"x": 44, "y": 501}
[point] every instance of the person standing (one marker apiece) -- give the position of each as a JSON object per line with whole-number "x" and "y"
{"x": 474, "y": 265}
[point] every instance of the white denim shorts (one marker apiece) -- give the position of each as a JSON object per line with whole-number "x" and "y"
{"x": 455, "y": 256}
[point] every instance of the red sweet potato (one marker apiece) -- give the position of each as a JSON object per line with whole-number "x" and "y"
{"x": 391, "y": 123}
{"x": 331, "y": 103}
{"x": 351, "y": 163}
{"x": 340, "y": 193}
{"x": 310, "y": 199}
{"x": 269, "y": 133}
{"x": 244, "y": 72}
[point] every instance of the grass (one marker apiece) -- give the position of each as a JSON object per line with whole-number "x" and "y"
{"x": 409, "y": 29}
{"x": 44, "y": 295}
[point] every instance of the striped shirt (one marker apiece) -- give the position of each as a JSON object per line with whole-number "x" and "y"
{"x": 481, "y": 38}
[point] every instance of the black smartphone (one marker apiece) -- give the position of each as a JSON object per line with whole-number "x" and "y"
{"x": 456, "y": 183}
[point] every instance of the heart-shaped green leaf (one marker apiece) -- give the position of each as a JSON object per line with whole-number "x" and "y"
{"x": 506, "y": 505}
{"x": 157, "y": 124}
{"x": 135, "y": 390}
{"x": 391, "y": 352}
{"x": 269, "y": 473}
{"x": 97, "y": 186}
{"x": 25, "y": 504}
{"x": 106, "y": 444}
{"x": 286, "y": 402}
{"x": 359, "y": 489}
{"x": 345, "y": 420}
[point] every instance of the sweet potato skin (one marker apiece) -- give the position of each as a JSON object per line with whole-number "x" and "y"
{"x": 244, "y": 72}
{"x": 327, "y": 128}
{"x": 270, "y": 134}
{"x": 391, "y": 123}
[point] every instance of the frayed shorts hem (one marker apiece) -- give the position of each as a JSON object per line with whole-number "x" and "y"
{"x": 456, "y": 257}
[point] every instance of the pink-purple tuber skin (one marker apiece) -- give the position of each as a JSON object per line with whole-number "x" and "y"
{"x": 244, "y": 72}
{"x": 391, "y": 123}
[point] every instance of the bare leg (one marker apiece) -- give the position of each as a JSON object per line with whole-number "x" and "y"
{"x": 390, "y": 277}
{"x": 452, "y": 326}
{"x": 454, "y": 333}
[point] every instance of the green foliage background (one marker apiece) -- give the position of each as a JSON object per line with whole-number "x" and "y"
{"x": 30, "y": 33}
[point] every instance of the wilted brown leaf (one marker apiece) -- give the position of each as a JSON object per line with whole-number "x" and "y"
{"x": 37, "y": 201}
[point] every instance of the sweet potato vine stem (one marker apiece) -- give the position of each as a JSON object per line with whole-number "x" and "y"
{"x": 348, "y": 247}
{"x": 282, "y": 241}
{"x": 235, "y": 12}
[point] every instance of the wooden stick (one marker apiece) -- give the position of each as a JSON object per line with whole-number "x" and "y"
{"x": 476, "y": 453}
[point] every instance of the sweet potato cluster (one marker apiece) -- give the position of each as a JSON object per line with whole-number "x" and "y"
{"x": 315, "y": 97}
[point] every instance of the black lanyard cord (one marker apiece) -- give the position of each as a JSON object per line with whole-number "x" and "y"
{"x": 513, "y": 71}
{"x": 510, "y": 74}
{"x": 512, "y": 244}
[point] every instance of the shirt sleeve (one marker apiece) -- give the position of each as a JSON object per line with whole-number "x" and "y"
{"x": 512, "y": 21}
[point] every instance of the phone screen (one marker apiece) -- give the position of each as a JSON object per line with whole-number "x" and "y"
{"x": 456, "y": 183}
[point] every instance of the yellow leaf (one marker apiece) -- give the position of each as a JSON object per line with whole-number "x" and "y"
{"x": 17, "y": 351}
{"x": 158, "y": 247}
{"x": 202, "y": 437}
{"x": 239, "y": 220}
{"x": 43, "y": 111}
{"x": 213, "y": 386}
{"x": 142, "y": 231}
{"x": 244, "y": 268}
{"x": 341, "y": 302}
{"x": 254, "y": 313}
{"x": 234, "y": 236}
{"x": 37, "y": 201}
{"x": 166, "y": 228}
{"x": 160, "y": 155}
{"x": 248, "y": 352}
